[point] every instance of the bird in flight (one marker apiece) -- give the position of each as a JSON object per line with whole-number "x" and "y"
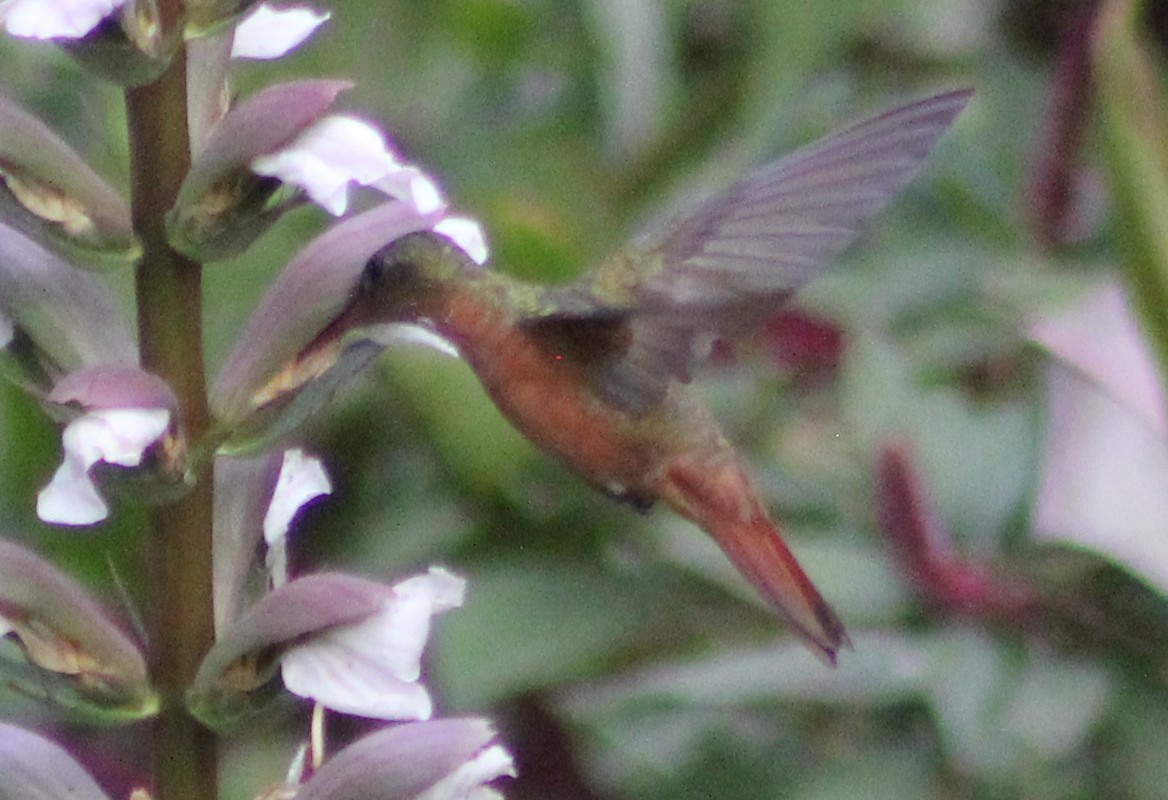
{"x": 597, "y": 372}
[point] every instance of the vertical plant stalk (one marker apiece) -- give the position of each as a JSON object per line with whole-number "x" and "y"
{"x": 169, "y": 296}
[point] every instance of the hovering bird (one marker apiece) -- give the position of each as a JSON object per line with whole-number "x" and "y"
{"x": 596, "y": 372}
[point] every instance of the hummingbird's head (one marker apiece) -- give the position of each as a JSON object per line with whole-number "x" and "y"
{"x": 404, "y": 271}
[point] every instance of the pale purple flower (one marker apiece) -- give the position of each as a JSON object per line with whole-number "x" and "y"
{"x": 371, "y": 668}
{"x": 54, "y": 19}
{"x": 444, "y": 759}
{"x": 302, "y": 478}
{"x": 113, "y": 435}
{"x": 269, "y": 32}
{"x": 338, "y": 151}
{"x": 1105, "y": 459}
{"x": 38, "y": 769}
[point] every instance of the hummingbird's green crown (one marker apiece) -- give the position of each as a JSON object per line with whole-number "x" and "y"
{"x": 402, "y": 277}
{"x": 415, "y": 260}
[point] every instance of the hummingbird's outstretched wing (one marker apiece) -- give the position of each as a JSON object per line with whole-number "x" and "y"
{"x": 725, "y": 266}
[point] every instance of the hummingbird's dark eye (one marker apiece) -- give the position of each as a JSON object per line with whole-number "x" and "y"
{"x": 372, "y": 274}
{"x": 386, "y": 264}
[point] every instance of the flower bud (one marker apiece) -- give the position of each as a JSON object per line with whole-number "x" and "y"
{"x": 82, "y": 659}
{"x": 448, "y": 759}
{"x": 273, "y": 380}
{"x": 49, "y": 193}
{"x": 130, "y": 48}
{"x": 35, "y": 768}
{"x": 223, "y": 205}
{"x": 349, "y": 644}
{"x": 62, "y": 318}
{"x": 121, "y": 40}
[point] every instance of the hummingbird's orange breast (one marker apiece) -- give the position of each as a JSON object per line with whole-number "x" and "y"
{"x": 546, "y": 394}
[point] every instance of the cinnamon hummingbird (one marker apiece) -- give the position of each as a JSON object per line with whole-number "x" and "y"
{"x": 597, "y": 372}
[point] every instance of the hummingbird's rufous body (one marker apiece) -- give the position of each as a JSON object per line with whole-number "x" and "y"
{"x": 597, "y": 372}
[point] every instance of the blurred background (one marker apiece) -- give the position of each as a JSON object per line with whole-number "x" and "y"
{"x": 897, "y": 416}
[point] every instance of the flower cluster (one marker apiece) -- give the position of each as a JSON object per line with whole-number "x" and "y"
{"x": 343, "y": 643}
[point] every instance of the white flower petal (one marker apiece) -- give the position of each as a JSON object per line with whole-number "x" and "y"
{"x": 276, "y": 562}
{"x": 116, "y": 436}
{"x": 302, "y": 478}
{"x": 426, "y": 195}
{"x": 70, "y": 498}
{"x": 339, "y": 150}
{"x": 7, "y": 331}
{"x": 413, "y": 186}
{"x": 271, "y": 32}
{"x": 1105, "y": 454}
{"x": 55, "y": 19}
{"x": 467, "y": 234}
{"x": 466, "y": 782}
{"x": 371, "y": 668}
{"x": 397, "y": 333}
{"x": 351, "y": 685}
{"x": 1103, "y": 473}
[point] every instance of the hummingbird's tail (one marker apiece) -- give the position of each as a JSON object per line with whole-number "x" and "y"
{"x": 720, "y": 498}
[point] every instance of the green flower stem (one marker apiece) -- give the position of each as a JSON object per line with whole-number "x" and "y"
{"x": 1133, "y": 127}
{"x": 170, "y": 336}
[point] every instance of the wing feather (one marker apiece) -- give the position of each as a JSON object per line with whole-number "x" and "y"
{"x": 726, "y": 265}
{"x": 801, "y": 211}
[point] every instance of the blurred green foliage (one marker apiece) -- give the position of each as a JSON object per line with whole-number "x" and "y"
{"x": 621, "y": 655}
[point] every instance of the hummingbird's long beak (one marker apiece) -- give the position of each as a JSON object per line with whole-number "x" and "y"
{"x": 722, "y": 501}
{"x": 761, "y": 555}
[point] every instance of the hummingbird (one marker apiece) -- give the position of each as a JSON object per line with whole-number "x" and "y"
{"x": 597, "y": 372}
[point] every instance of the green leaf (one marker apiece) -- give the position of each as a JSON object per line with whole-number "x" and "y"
{"x": 532, "y": 624}
{"x": 978, "y": 492}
